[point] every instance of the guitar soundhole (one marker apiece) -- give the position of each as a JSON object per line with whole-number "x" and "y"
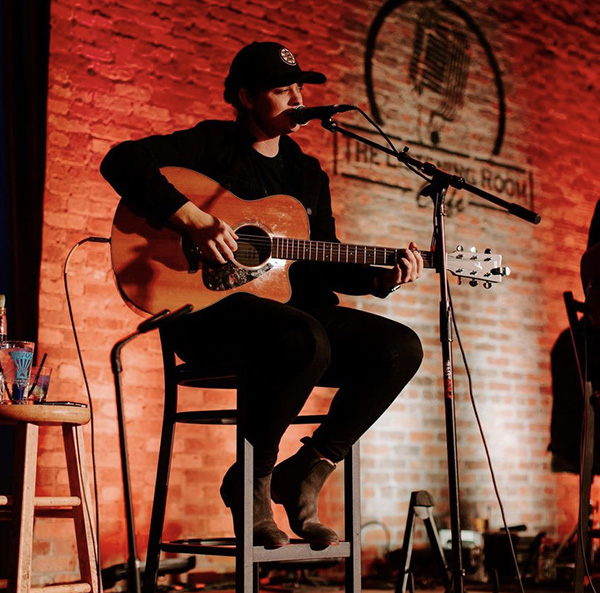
{"x": 254, "y": 246}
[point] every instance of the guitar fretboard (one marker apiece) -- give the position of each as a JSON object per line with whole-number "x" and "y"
{"x": 302, "y": 249}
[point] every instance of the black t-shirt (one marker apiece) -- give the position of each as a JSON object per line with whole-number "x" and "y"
{"x": 271, "y": 172}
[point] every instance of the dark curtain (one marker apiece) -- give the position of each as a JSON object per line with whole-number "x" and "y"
{"x": 24, "y": 48}
{"x": 25, "y": 26}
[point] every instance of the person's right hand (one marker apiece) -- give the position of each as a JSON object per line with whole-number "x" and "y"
{"x": 214, "y": 237}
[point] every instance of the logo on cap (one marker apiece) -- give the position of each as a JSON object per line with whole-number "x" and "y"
{"x": 287, "y": 56}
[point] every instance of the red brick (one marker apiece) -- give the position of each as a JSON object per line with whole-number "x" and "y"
{"x": 131, "y": 68}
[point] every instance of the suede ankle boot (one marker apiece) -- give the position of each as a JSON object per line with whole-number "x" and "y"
{"x": 296, "y": 484}
{"x": 264, "y": 529}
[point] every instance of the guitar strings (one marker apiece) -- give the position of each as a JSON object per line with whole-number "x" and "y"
{"x": 261, "y": 241}
{"x": 250, "y": 244}
{"x": 335, "y": 249}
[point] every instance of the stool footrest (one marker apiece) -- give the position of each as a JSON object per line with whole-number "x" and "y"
{"x": 54, "y": 513}
{"x": 229, "y": 417}
{"x": 48, "y": 502}
{"x": 66, "y": 588}
{"x": 207, "y": 417}
{"x": 297, "y": 550}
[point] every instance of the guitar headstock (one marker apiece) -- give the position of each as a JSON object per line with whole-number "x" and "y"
{"x": 483, "y": 267}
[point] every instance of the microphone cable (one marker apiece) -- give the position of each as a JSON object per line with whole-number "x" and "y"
{"x": 390, "y": 143}
{"x": 485, "y": 446}
{"x": 89, "y": 396}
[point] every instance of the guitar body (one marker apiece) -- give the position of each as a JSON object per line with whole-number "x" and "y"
{"x": 155, "y": 269}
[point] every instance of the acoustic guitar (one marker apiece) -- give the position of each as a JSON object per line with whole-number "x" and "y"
{"x": 158, "y": 268}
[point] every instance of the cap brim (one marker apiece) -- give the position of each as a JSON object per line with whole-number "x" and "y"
{"x": 292, "y": 77}
{"x": 313, "y": 77}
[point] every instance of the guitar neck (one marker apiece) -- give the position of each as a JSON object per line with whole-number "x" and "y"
{"x": 302, "y": 249}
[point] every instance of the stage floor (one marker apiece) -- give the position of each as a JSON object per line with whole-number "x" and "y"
{"x": 385, "y": 588}
{"x": 469, "y": 588}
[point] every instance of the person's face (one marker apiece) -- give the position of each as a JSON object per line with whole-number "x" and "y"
{"x": 271, "y": 109}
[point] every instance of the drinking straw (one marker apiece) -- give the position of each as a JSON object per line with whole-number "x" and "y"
{"x": 37, "y": 375}
{"x": 5, "y": 383}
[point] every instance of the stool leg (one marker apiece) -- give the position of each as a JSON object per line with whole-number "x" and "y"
{"x": 246, "y": 571}
{"x": 79, "y": 486}
{"x": 352, "y": 518}
{"x": 159, "y": 507}
{"x": 246, "y": 580}
{"x": 23, "y": 507}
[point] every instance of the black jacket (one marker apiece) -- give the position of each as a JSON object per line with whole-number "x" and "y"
{"x": 223, "y": 151}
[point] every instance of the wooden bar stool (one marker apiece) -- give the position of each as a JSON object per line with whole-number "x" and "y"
{"x": 23, "y": 505}
{"x": 247, "y": 556}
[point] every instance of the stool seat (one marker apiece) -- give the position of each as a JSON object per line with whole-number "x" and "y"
{"x": 43, "y": 414}
{"x": 190, "y": 375}
{"x": 23, "y": 505}
{"x": 193, "y": 375}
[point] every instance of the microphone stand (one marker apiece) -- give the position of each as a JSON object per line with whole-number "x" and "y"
{"x": 154, "y": 322}
{"x": 439, "y": 184}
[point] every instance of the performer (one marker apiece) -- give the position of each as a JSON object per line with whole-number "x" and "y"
{"x": 567, "y": 405}
{"x": 281, "y": 350}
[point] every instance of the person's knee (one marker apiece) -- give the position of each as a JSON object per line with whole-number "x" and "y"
{"x": 398, "y": 353}
{"x": 302, "y": 340}
{"x": 412, "y": 349}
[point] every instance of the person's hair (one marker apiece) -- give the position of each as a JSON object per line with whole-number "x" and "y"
{"x": 234, "y": 99}
{"x": 236, "y": 102}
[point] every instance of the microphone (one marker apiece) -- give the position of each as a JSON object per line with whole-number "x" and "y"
{"x": 302, "y": 115}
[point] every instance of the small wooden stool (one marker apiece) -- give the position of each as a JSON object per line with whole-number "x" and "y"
{"x": 23, "y": 505}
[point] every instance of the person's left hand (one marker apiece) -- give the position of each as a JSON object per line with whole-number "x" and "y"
{"x": 408, "y": 269}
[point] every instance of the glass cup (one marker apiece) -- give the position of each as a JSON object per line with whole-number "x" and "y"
{"x": 16, "y": 357}
{"x": 39, "y": 381}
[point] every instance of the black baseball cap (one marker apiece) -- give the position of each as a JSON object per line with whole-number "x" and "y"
{"x": 266, "y": 65}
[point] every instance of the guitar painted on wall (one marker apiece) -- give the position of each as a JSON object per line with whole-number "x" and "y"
{"x": 158, "y": 268}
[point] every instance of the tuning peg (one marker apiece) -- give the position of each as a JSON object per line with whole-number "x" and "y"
{"x": 473, "y": 282}
{"x": 460, "y": 248}
{"x": 487, "y": 285}
{"x": 502, "y": 271}
{"x": 473, "y": 249}
{"x": 488, "y": 250}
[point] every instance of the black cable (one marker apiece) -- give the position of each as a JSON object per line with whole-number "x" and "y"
{"x": 89, "y": 395}
{"x": 485, "y": 445}
{"x": 391, "y": 144}
{"x": 385, "y": 529}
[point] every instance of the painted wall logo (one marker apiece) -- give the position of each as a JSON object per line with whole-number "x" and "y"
{"x": 438, "y": 70}
{"x": 434, "y": 84}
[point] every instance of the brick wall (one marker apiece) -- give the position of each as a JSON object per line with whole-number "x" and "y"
{"x": 122, "y": 69}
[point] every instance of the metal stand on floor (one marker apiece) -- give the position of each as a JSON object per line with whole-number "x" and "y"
{"x": 134, "y": 567}
{"x": 421, "y": 505}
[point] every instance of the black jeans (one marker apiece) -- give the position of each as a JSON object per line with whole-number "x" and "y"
{"x": 282, "y": 353}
